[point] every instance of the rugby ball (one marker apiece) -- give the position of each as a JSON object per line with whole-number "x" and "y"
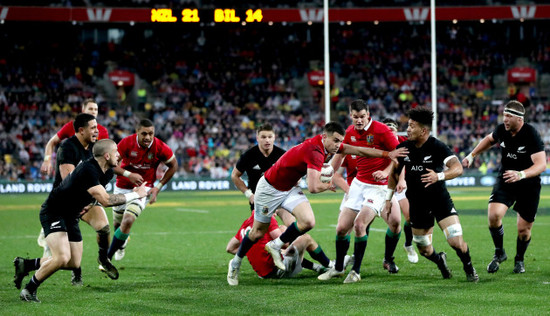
{"x": 326, "y": 173}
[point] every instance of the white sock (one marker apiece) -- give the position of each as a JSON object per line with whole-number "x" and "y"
{"x": 236, "y": 262}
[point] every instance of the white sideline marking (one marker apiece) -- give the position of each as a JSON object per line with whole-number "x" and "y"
{"x": 191, "y": 210}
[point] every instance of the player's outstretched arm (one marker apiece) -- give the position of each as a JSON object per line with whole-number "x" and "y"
{"x": 483, "y": 145}
{"x": 375, "y": 153}
{"x": 239, "y": 183}
{"x": 454, "y": 170}
{"x": 98, "y": 192}
{"x": 46, "y": 168}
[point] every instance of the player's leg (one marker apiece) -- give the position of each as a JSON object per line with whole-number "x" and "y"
{"x": 408, "y": 246}
{"x": 393, "y": 233}
{"x": 307, "y": 243}
{"x": 346, "y": 218}
{"x": 122, "y": 233}
{"x": 522, "y": 242}
{"x": 259, "y": 228}
{"x": 422, "y": 237}
{"x": 453, "y": 232}
{"x": 58, "y": 242}
{"x": 496, "y": 212}
{"x": 97, "y": 219}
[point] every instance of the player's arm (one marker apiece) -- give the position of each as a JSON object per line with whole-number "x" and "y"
{"x": 374, "y": 153}
{"x": 98, "y": 192}
{"x": 172, "y": 165}
{"x": 65, "y": 169}
{"x": 236, "y": 175}
{"x": 339, "y": 181}
{"x": 393, "y": 178}
{"x": 454, "y": 170}
{"x": 46, "y": 167}
{"x": 134, "y": 177}
{"x": 314, "y": 184}
{"x": 401, "y": 184}
{"x": 486, "y": 143}
{"x": 538, "y": 167}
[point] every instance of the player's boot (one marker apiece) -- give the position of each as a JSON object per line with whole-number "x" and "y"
{"x": 20, "y": 273}
{"x": 352, "y": 277}
{"x": 442, "y": 265}
{"x": 471, "y": 274}
{"x": 331, "y": 273}
{"x": 276, "y": 255}
{"x": 493, "y": 266}
{"x": 519, "y": 266}
{"x": 27, "y": 296}
{"x": 76, "y": 278}
{"x": 390, "y": 266}
{"x": 119, "y": 254}
{"x": 411, "y": 254}
{"x": 233, "y": 274}
{"x": 108, "y": 268}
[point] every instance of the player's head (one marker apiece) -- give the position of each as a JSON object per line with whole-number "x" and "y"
{"x": 107, "y": 150}
{"x": 420, "y": 121}
{"x": 359, "y": 114}
{"x": 85, "y": 127}
{"x": 392, "y": 124}
{"x": 513, "y": 116}
{"x": 333, "y": 136}
{"x": 265, "y": 136}
{"x": 89, "y": 106}
{"x": 145, "y": 131}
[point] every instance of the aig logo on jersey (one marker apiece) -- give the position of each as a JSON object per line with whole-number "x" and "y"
{"x": 417, "y": 168}
{"x": 513, "y": 156}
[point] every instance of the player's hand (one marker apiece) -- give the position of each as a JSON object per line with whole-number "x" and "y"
{"x": 468, "y": 161}
{"x": 429, "y": 178}
{"x": 379, "y": 175}
{"x": 399, "y": 152}
{"x": 251, "y": 199}
{"x": 141, "y": 190}
{"x": 401, "y": 185}
{"x": 511, "y": 176}
{"x": 46, "y": 168}
{"x": 85, "y": 209}
{"x": 135, "y": 178}
{"x": 153, "y": 195}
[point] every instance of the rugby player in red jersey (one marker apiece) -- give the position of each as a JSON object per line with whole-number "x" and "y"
{"x": 278, "y": 188}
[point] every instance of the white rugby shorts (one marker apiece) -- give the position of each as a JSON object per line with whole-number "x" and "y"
{"x": 363, "y": 194}
{"x": 267, "y": 200}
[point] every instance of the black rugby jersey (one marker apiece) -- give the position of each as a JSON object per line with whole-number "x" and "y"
{"x": 71, "y": 152}
{"x": 254, "y": 163}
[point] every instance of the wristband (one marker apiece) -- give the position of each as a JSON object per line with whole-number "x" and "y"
{"x": 131, "y": 196}
{"x": 47, "y": 157}
{"x": 159, "y": 185}
{"x": 521, "y": 175}
{"x": 389, "y": 194}
{"x": 441, "y": 176}
{"x": 248, "y": 193}
{"x": 470, "y": 158}
{"x": 385, "y": 154}
{"x": 126, "y": 173}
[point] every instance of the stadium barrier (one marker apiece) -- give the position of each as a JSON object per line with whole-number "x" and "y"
{"x": 208, "y": 184}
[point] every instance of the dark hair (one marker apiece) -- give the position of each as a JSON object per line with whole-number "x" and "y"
{"x": 264, "y": 127}
{"x": 358, "y": 105}
{"x": 144, "y": 123}
{"x": 334, "y": 127}
{"x": 389, "y": 120}
{"x": 81, "y": 120}
{"x": 422, "y": 115}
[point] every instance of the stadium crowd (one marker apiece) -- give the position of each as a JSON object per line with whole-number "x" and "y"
{"x": 208, "y": 88}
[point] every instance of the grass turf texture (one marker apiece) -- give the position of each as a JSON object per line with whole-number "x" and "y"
{"x": 176, "y": 264}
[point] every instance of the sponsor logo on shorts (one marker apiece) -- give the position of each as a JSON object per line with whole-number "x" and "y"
{"x": 453, "y": 211}
{"x": 370, "y": 201}
{"x": 265, "y": 210}
{"x": 55, "y": 225}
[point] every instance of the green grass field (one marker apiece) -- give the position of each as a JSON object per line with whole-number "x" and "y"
{"x": 176, "y": 264}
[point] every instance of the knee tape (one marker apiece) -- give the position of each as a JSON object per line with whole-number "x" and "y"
{"x": 423, "y": 240}
{"x": 117, "y": 216}
{"x": 133, "y": 209}
{"x": 105, "y": 230}
{"x": 453, "y": 230}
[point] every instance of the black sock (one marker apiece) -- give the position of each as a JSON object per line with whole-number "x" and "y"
{"x": 31, "y": 264}
{"x": 77, "y": 271}
{"x": 103, "y": 241}
{"x": 391, "y": 242}
{"x": 434, "y": 257}
{"x": 33, "y": 284}
{"x": 319, "y": 255}
{"x": 306, "y": 264}
{"x": 498, "y": 237}
{"x": 465, "y": 258}
{"x": 408, "y": 234}
{"x": 291, "y": 233}
{"x": 342, "y": 246}
{"x": 521, "y": 247}
{"x": 245, "y": 246}
{"x": 359, "y": 251}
